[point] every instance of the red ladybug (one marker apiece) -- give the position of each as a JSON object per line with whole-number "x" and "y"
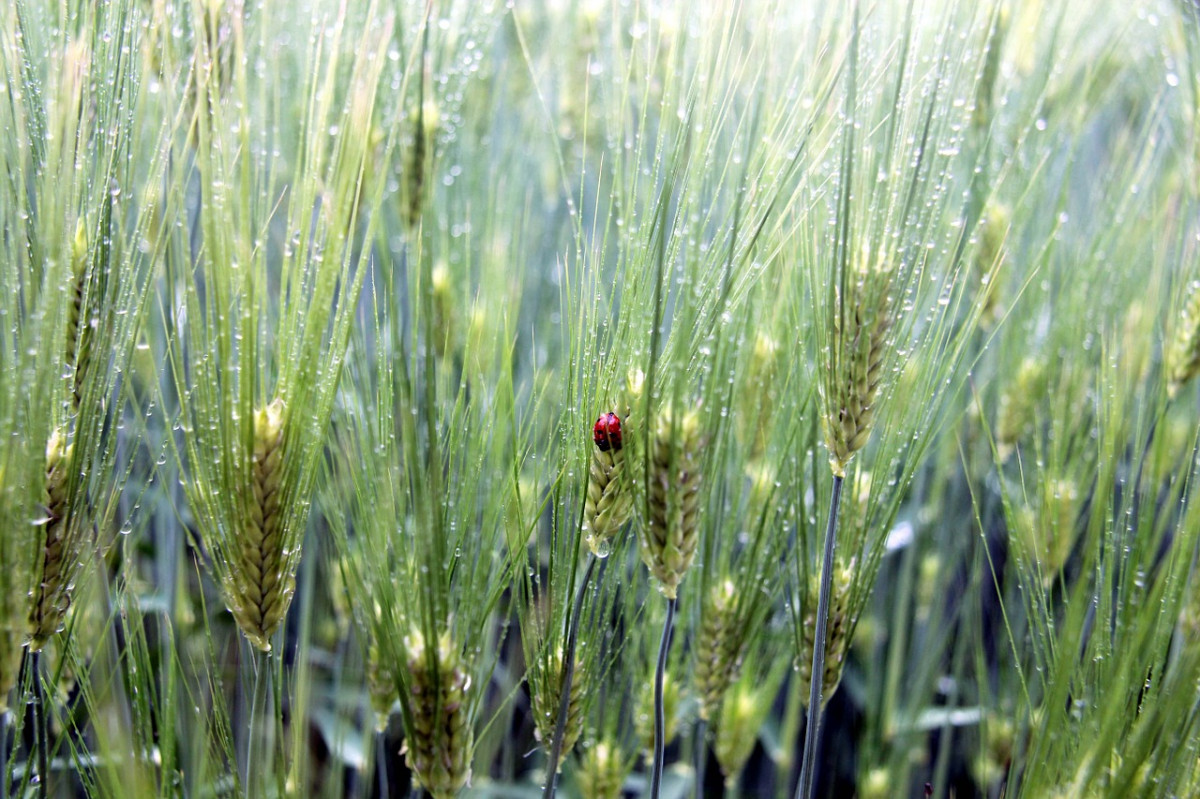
{"x": 607, "y": 432}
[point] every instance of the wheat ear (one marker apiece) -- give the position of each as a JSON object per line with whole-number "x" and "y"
{"x": 717, "y": 651}
{"x": 441, "y": 739}
{"x": 60, "y": 547}
{"x": 1183, "y": 351}
{"x": 381, "y": 686}
{"x": 668, "y": 539}
{"x": 860, "y": 332}
{"x": 261, "y": 588}
{"x": 837, "y": 639}
{"x": 609, "y": 502}
{"x": 740, "y": 717}
{"x": 79, "y": 341}
{"x": 546, "y": 707}
{"x": 603, "y": 771}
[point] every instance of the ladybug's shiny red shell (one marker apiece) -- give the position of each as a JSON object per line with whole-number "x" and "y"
{"x": 607, "y": 432}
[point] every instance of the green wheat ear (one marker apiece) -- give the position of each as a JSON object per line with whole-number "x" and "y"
{"x": 643, "y": 719}
{"x": 546, "y": 703}
{"x": 79, "y": 329}
{"x": 741, "y": 717}
{"x": 603, "y": 771}
{"x": 669, "y": 537}
{"x": 609, "y": 502}
{"x": 439, "y": 752}
{"x": 261, "y": 587}
{"x": 837, "y": 631}
{"x": 381, "y": 686}
{"x": 1017, "y": 407}
{"x": 717, "y": 658}
{"x": 61, "y": 550}
{"x": 861, "y": 321}
{"x": 1183, "y": 351}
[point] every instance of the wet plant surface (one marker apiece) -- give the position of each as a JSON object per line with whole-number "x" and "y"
{"x": 599, "y": 399}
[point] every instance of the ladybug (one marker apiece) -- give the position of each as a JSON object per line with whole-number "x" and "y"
{"x": 607, "y": 432}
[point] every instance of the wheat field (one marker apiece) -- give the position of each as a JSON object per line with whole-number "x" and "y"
{"x": 593, "y": 399}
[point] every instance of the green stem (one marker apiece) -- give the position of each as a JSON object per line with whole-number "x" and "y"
{"x": 898, "y": 643}
{"x": 4, "y": 724}
{"x": 275, "y": 691}
{"x": 568, "y": 674}
{"x": 39, "y": 726}
{"x": 701, "y": 756}
{"x": 660, "y": 720}
{"x": 808, "y": 766}
{"x": 250, "y": 727}
{"x": 381, "y": 763}
{"x": 790, "y": 731}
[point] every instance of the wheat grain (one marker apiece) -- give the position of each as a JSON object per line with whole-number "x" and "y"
{"x": 1017, "y": 405}
{"x": 426, "y": 120}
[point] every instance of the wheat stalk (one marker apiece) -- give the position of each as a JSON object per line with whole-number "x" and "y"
{"x": 14, "y": 609}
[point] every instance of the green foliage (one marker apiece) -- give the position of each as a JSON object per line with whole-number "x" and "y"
{"x": 308, "y": 311}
